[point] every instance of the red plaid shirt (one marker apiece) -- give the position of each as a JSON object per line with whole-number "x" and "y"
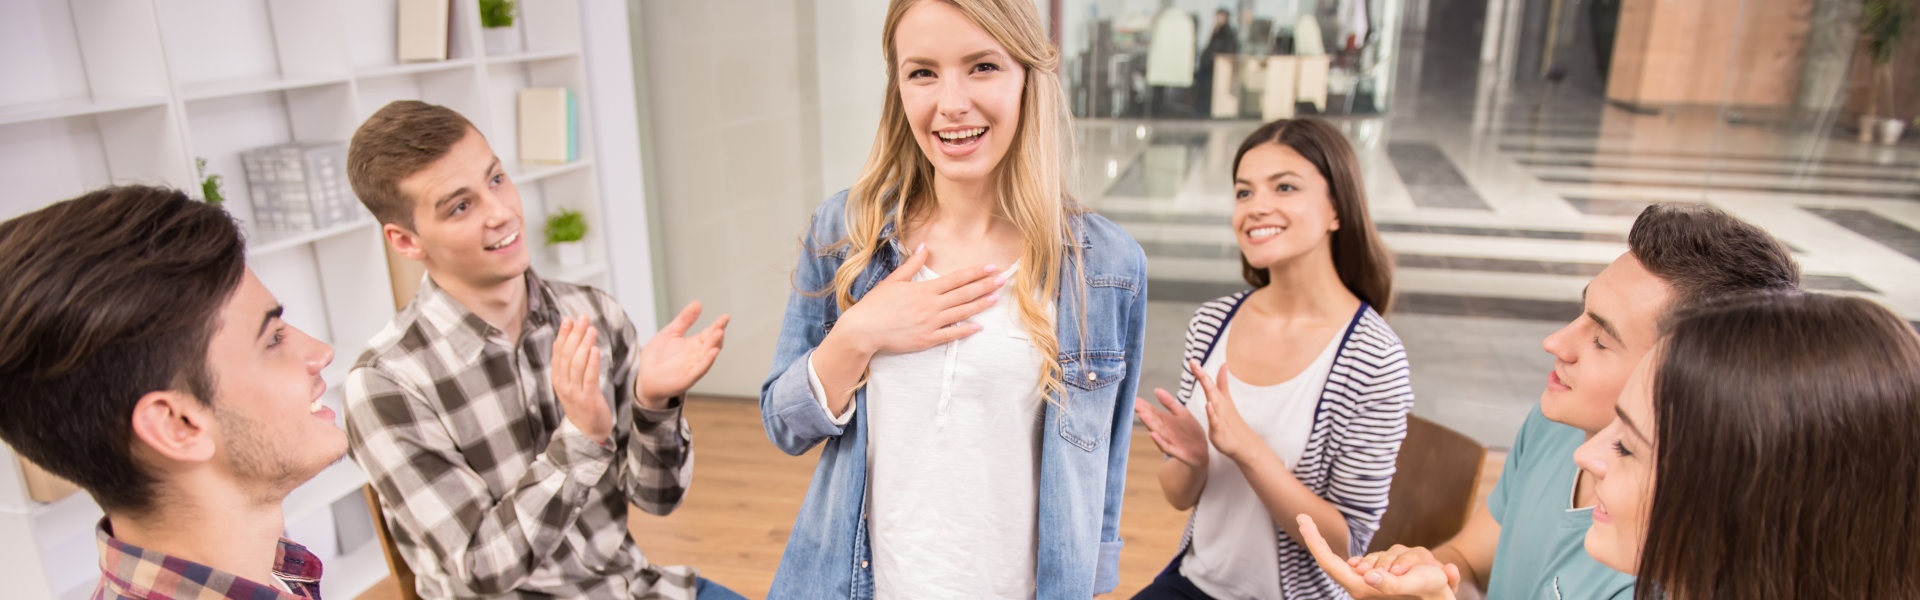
{"x": 129, "y": 572}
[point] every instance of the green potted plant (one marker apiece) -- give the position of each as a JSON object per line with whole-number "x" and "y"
{"x": 1883, "y": 23}
{"x": 496, "y": 19}
{"x": 565, "y": 229}
{"x": 209, "y": 183}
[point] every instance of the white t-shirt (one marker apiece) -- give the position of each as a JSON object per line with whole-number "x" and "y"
{"x": 953, "y": 463}
{"x": 1235, "y": 551}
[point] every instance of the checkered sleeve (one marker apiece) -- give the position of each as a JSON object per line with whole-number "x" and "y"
{"x": 656, "y": 458}
{"x": 434, "y": 498}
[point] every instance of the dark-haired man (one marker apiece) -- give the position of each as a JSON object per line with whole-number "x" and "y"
{"x": 142, "y": 360}
{"x": 1527, "y": 542}
{"x": 508, "y": 421}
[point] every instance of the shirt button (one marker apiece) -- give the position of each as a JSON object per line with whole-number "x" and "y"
{"x": 863, "y": 564}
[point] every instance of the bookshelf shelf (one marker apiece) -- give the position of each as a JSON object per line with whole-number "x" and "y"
{"x": 251, "y": 85}
{"x": 532, "y": 172}
{"x": 60, "y": 109}
{"x": 581, "y": 274}
{"x": 413, "y": 68}
{"x": 133, "y": 91}
{"x": 270, "y": 242}
{"x": 536, "y": 55}
{"x": 317, "y": 494}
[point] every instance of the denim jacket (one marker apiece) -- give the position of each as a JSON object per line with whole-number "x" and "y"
{"x": 1083, "y": 453}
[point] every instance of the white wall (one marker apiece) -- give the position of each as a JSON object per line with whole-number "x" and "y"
{"x": 730, "y": 92}
{"x": 852, "y": 80}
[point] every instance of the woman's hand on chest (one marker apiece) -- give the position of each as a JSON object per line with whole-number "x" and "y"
{"x": 901, "y": 315}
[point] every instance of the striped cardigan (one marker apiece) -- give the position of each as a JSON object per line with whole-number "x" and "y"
{"x": 1357, "y": 429}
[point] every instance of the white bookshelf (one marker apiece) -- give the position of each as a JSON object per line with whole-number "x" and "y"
{"x": 99, "y": 92}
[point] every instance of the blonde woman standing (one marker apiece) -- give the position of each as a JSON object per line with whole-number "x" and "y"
{"x": 962, "y": 337}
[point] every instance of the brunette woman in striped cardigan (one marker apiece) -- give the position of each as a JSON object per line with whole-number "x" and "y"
{"x": 1296, "y": 392}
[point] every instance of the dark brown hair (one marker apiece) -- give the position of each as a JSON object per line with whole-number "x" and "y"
{"x": 1704, "y": 253}
{"x": 103, "y": 299}
{"x": 399, "y": 140}
{"x": 1788, "y": 461}
{"x": 1362, "y": 260}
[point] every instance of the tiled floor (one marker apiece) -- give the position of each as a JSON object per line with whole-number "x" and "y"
{"x": 1500, "y": 204}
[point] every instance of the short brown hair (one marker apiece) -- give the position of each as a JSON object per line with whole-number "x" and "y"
{"x": 1704, "y": 253}
{"x": 1359, "y": 256}
{"x": 1786, "y": 464}
{"x": 397, "y": 141}
{"x": 105, "y": 298}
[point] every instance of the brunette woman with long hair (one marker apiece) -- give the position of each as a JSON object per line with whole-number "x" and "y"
{"x": 1296, "y": 392}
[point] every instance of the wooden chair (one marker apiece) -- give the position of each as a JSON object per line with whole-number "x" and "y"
{"x": 402, "y": 576}
{"x": 1433, "y": 486}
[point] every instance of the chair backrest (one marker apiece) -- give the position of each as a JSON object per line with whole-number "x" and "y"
{"x": 402, "y": 575}
{"x": 1433, "y": 486}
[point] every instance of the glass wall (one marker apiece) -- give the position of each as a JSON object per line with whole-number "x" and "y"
{"x": 1243, "y": 59}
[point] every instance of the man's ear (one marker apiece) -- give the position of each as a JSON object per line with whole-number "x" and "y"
{"x": 404, "y": 243}
{"x": 175, "y": 426}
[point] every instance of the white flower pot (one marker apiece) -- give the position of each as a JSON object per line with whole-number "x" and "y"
{"x": 502, "y": 40}
{"x": 570, "y": 254}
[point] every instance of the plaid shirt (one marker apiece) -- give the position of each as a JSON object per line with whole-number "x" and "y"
{"x": 487, "y": 488}
{"x": 129, "y": 572}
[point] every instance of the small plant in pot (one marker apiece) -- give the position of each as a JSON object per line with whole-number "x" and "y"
{"x": 565, "y": 229}
{"x": 496, "y": 21}
{"x": 1883, "y": 23}
{"x": 209, "y": 183}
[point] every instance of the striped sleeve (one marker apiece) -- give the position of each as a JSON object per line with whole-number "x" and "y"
{"x": 1372, "y": 393}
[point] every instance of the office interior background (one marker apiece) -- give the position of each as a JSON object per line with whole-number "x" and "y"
{"x": 1507, "y": 146}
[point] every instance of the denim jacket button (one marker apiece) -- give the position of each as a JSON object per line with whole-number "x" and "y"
{"x": 1093, "y": 377}
{"x": 863, "y": 564}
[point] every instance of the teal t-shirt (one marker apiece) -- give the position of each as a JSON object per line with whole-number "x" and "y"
{"x": 1543, "y": 553}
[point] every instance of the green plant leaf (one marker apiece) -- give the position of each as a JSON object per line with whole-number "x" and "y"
{"x": 567, "y": 225}
{"x": 497, "y": 13}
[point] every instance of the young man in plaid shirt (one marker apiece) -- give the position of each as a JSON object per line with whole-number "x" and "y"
{"x": 142, "y": 360}
{"x": 508, "y": 421}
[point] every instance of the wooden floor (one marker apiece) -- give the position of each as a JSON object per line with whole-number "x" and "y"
{"x": 746, "y": 493}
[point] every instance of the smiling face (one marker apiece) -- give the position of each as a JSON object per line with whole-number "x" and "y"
{"x": 275, "y": 432}
{"x": 1621, "y": 460}
{"x": 1594, "y": 355}
{"x": 1283, "y": 207}
{"x": 467, "y": 217}
{"x": 960, "y": 91}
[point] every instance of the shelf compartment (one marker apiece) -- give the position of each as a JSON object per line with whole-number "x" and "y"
{"x": 318, "y": 494}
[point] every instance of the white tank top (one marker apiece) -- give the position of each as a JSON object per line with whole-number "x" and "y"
{"x": 1235, "y": 552}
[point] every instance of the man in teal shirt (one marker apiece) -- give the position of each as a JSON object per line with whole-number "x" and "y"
{"x": 1528, "y": 542}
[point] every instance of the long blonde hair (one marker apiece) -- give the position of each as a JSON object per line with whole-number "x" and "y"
{"x": 896, "y": 183}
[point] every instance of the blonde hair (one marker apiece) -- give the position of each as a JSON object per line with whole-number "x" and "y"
{"x": 896, "y": 183}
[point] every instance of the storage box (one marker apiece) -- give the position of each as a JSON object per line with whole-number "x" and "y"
{"x": 300, "y": 186}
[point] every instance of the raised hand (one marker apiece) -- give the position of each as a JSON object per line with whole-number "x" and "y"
{"x": 1176, "y": 431}
{"x": 1421, "y": 582}
{"x": 1225, "y": 428}
{"x": 671, "y": 362}
{"x": 902, "y": 315}
{"x": 575, "y": 377}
